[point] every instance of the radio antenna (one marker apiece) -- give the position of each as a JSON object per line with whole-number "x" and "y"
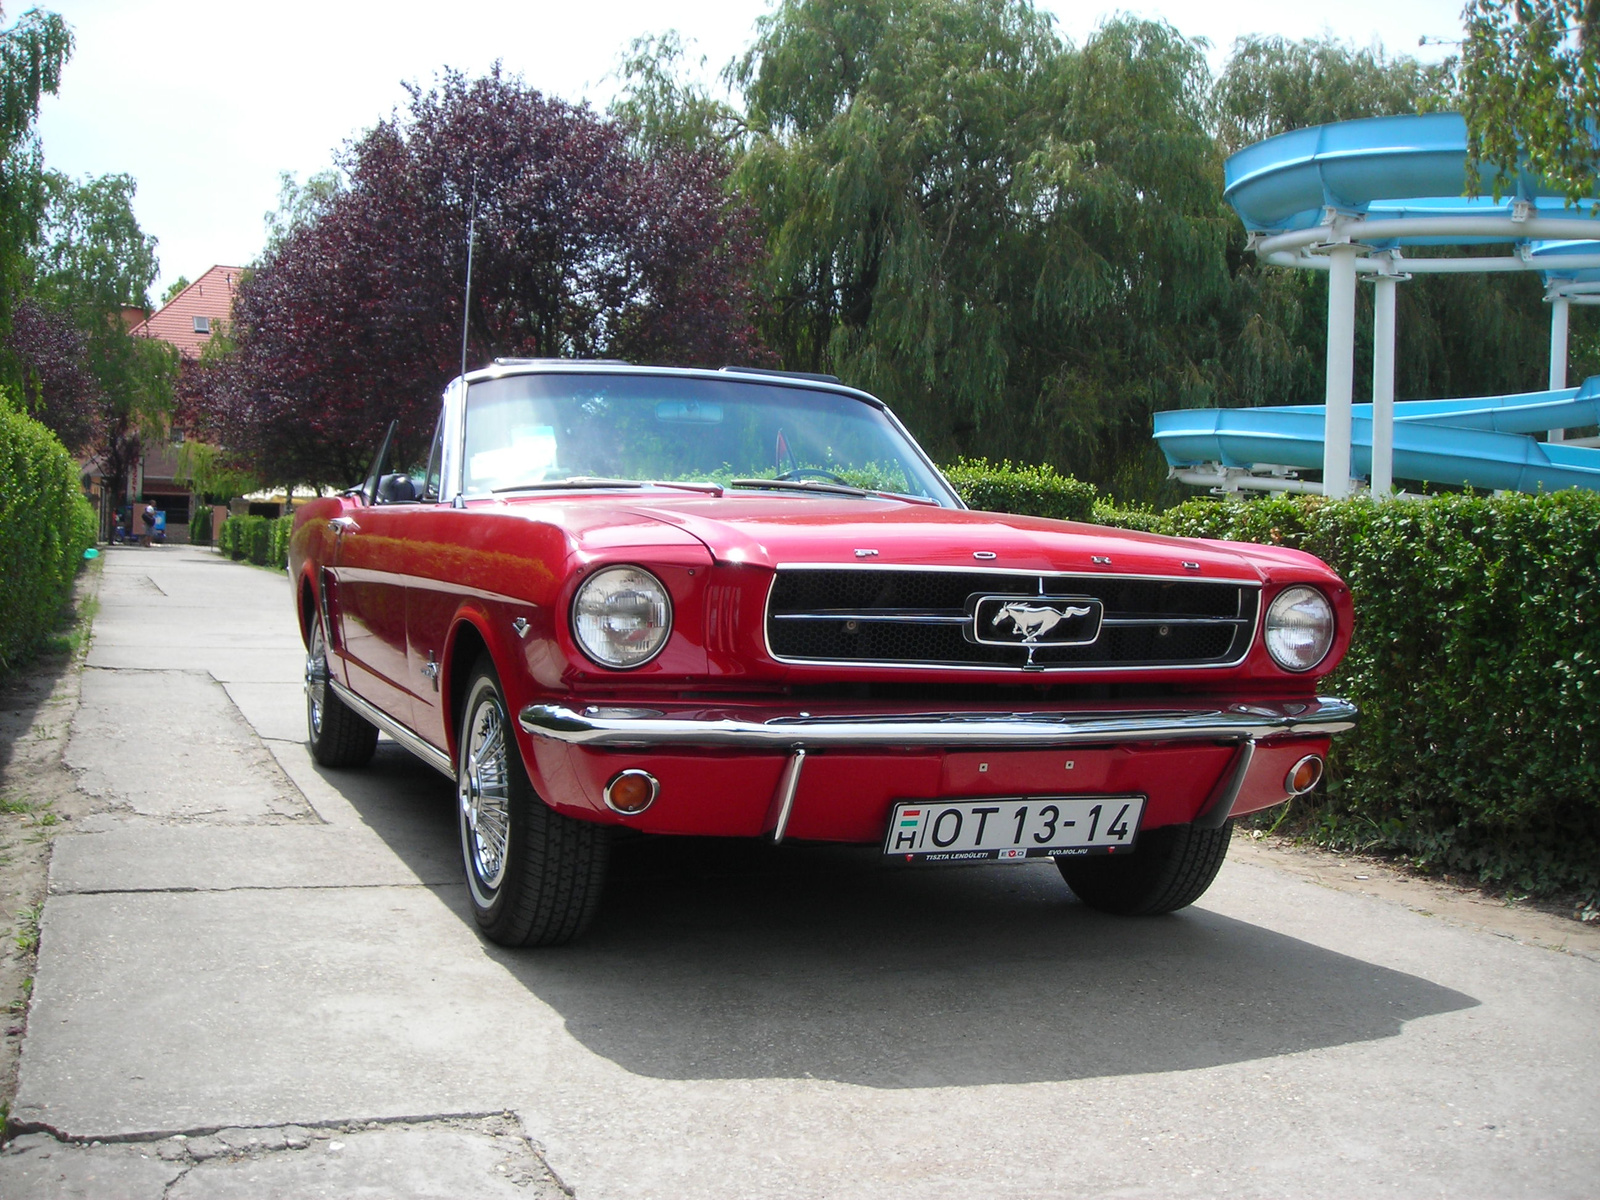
{"x": 466, "y": 302}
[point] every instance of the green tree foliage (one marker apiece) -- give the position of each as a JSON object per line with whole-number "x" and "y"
{"x": 299, "y": 204}
{"x": 1272, "y": 85}
{"x": 32, "y": 54}
{"x": 665, "y": 105}
{"x": 173, "y": 289}
{"x": 94, "y": 265}
{"x": 1017, "y": 244}
{"x": 1530, "y": 89}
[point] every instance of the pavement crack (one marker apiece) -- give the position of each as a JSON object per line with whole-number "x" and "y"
{"x": 182, "y": 889}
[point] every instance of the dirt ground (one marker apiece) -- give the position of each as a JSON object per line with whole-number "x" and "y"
{"x": 38, "y": 800}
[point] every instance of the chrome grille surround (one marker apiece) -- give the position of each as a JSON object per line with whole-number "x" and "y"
{"x": 921, "y": 617}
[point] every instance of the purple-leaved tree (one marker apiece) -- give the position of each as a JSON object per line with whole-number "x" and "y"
{"x": 583, "y": 248}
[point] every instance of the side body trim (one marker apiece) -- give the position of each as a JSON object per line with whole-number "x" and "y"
{"x": 432, "y": 755}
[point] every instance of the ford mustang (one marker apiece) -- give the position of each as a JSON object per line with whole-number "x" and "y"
{"x": 744, "y": 603}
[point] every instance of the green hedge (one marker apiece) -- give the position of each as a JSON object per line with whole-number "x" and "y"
{"x": 1040, "y": 491}
{"x": 45, "y": 526}
{"x": 261, "y": 540}
{"x": 1476, "y": 664}
{"x": 200, "y": 525}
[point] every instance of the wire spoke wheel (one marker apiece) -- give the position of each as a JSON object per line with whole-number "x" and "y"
{"x": 485, "y": 803}
{"x": 338, "y": 737}
{"x": 533, "y": 875}
{"x": 316, "y": 680}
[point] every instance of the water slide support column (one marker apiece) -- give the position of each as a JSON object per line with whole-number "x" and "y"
{"x": 1383, "y": 325}
{"x": 1560, "y": 311}
{"x": 1341, "y": 368}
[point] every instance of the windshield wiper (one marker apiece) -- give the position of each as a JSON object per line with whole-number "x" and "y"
{"x": 576, "y": 481}
{"x": 801, "y": 485}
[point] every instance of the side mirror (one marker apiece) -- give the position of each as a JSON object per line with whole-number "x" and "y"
{"x": 396, "y": 489}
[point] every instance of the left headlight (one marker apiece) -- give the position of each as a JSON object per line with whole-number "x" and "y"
{"x": 621, "y": 617}
{"x": 1299, "y": 628}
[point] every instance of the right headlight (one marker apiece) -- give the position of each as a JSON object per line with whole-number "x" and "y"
{"x": 1299, "y": 628}
{"x": 621, "y": 616}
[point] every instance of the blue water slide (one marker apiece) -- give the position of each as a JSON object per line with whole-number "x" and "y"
{"x": 1383, "y": 167}
{"x": 1479, "y": 442}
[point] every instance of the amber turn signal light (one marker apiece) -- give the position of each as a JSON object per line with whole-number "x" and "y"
{"x": 631, "y": 792}
{"x": 1304, "y": 775}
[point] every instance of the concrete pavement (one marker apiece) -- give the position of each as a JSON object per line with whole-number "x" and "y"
{"x": 270, "y": 960}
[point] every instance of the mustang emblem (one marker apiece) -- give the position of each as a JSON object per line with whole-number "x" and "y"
{"x": 1034, "y": 620}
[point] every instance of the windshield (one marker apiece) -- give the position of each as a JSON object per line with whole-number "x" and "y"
{"x": 531, "y": 431}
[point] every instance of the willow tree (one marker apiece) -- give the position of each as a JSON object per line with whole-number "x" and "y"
{"x": 1016, "y": 243}
{"x": 32, "y": 53}
{"x": 1530, "y": 83}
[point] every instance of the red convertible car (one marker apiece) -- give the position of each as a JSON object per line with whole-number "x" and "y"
{"x": 744, "y": 603}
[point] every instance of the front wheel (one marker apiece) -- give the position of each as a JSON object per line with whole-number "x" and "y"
{"x": 1170, "y": 868}
{"x": 534, "y": 876}
{"x": 338, "y": 737}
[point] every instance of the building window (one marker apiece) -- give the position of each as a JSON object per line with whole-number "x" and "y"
{"x": 202, "y": 324}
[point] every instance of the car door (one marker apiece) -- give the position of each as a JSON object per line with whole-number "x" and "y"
{"x": 373, "y": 562}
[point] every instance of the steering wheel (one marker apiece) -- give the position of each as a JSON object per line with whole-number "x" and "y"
{"x": 810, "y": 473}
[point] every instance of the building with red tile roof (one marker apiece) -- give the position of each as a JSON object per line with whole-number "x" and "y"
{"x": 190, "y": 318}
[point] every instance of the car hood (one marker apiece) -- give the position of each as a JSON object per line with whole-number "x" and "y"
{"x": 765, "y": 531}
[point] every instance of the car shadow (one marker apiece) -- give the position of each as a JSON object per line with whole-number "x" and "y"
{"x": 725, "y": 959}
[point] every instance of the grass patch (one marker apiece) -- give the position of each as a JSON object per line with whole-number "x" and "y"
{"x": 27, "y": 935}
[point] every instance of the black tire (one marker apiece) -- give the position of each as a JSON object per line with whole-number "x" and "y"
{"x": 534, "y": 876}
{"x": 338, "y": 737}
{"x": 1170, "y": 868}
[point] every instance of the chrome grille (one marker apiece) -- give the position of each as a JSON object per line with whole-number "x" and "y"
{"x": 923, "y": 618}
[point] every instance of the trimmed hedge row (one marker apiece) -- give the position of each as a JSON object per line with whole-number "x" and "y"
{"x": 1476, "y": 665}
{"x": 1040, "y": 491}
{"x": 200, "y": 525}
{"x": 261, "y": 540}
{"x": 45, "y": 526}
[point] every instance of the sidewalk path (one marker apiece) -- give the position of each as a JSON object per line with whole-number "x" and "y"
{"x": 277, "y": 963}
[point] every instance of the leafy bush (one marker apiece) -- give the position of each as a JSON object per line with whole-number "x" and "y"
{"x": 1039, "y": 491}
{"x": 200, "y": 525}
{"x": 262, "y": 540}
{"x": 228, "y": 537}
{"x": 1476, "y": 665}
{"x": 45, "y": 526}
{"x": 278, "y": 544}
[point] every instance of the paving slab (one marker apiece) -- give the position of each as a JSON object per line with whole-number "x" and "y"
{"x": 264, "y": 1007}
{"x": 37, "y": 1167}
{"x": 143, "y": 857}
{"x": 485, "y": 1157}
{"x": 276, "y": 711}
{"x": 171, "y": 745}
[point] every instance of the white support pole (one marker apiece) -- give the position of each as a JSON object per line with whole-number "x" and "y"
{"x": 1560, "y": 311}
{"x": 1341, "y": 369}
{"x": 1383, "y": 298}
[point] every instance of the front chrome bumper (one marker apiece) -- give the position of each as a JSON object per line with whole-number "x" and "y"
{"x": 618, "y": 727}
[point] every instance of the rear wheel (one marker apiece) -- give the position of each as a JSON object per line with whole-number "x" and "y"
{"x": 1170, "y": 868}
{"x": 338, "y": 737}
{"x": 534, "y": 876}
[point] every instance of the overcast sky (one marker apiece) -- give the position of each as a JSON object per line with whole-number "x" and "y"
{"x": 205, "y": 103}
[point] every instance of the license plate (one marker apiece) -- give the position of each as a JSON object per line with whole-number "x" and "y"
{"x": 1012, "y": 828}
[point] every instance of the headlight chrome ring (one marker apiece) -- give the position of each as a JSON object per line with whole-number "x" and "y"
{"x": 1299, "y": 628}
{"x": 621, "y": 617}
